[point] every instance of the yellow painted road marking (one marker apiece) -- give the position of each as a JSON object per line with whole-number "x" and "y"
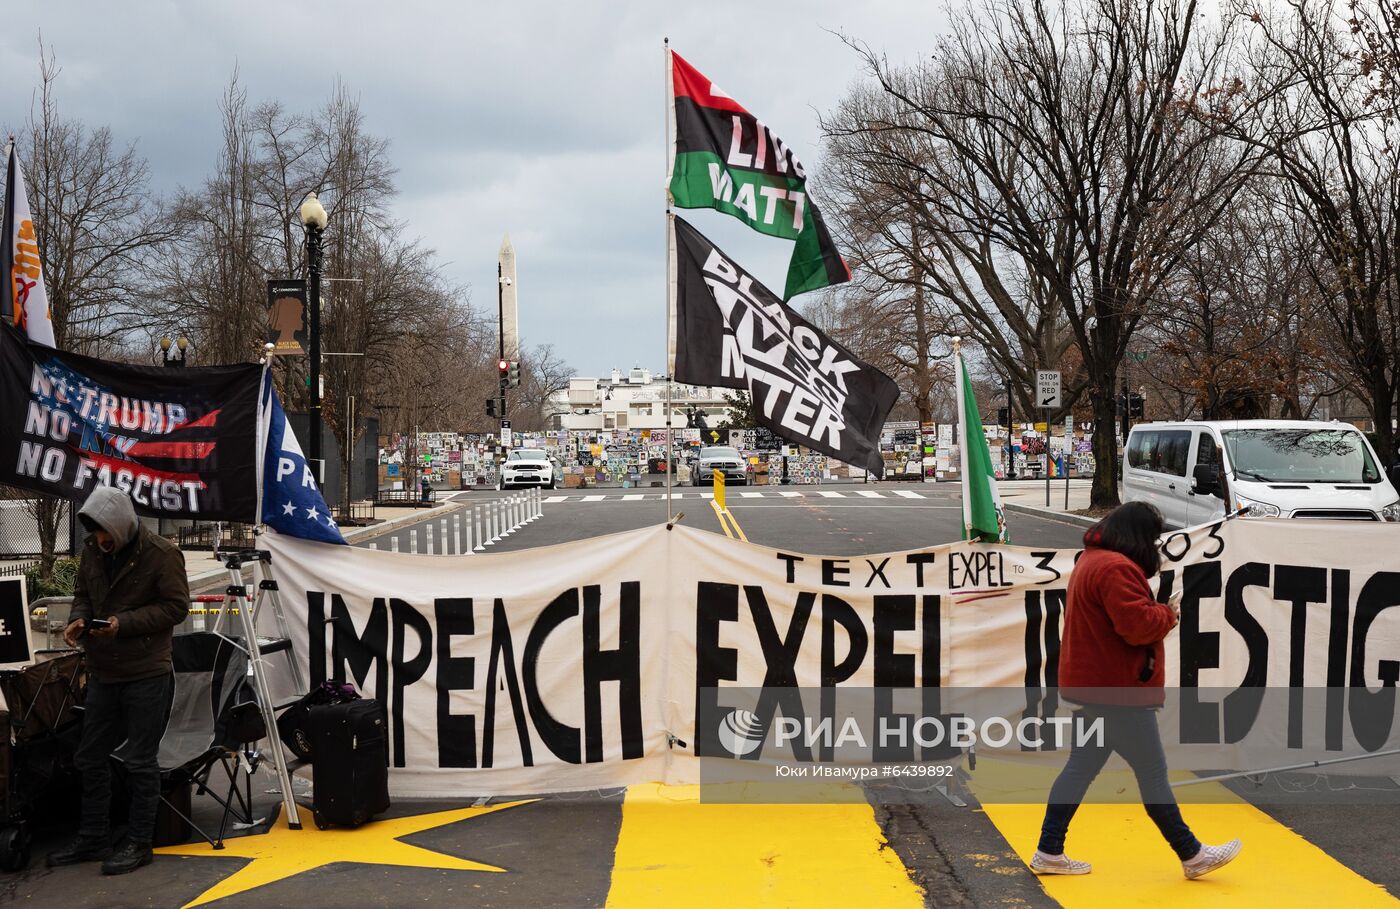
{"x": 722, "y": 514}
{"x": 1133, "y": 866}
{"x": 673, "y": 851}
{"x": 282, "y": 852}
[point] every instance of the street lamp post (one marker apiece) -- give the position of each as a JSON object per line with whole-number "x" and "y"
{"x": 502, "y": 282}
{"x": 181, "y": 345}
{"x": 314, "y": 218}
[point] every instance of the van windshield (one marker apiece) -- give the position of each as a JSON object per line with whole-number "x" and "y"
{"x": 1300, "y": 456}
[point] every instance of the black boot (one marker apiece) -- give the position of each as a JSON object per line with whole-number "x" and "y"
{"x": 82, "y": 849}
{"x": 128, "y": 857}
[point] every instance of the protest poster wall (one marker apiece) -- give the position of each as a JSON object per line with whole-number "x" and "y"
{"x": 592, "y": 664}
{"x": 184, "y": 448}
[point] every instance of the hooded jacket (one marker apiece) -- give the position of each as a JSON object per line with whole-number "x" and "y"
{"x": 142, "y": 583}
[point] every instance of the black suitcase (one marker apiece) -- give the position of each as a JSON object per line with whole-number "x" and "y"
{"x": 350, "y": 762}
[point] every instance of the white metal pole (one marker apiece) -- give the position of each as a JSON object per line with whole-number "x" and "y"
{"x": 468, "y": 550}
{"x": 506, "y": 508}
{"x": 489, "y": 519}
{"x": 457, "y": 533}
{"x": 669, "y": 98}
{"x": 479, "y": 522}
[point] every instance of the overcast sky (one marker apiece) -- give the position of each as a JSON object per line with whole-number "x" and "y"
{"x": 544, "y": 120}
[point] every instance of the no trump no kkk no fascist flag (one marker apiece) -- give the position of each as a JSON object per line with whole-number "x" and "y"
{"x": 733, "y": 332}
{"x": 70, "y": 423}
{"x": 726, "y": 159}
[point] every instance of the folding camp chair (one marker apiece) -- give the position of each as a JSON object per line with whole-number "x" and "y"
{"x": 209, "y": 727}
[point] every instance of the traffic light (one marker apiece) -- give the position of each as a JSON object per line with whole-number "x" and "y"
{"x": 503, "y": 367}
{"x": 491, "y": 407}
{"x": 1003, "y": 417}
{"x": 513, "y": 373}
{"x": 1132, "y": 403}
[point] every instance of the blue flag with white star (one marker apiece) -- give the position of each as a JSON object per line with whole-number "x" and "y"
{"x": 292, "y": 502}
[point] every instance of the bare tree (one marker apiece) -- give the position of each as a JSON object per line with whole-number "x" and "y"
{"x": 1334, "y": 147}
{"x": 96, "y": 224}
{"x": 1088, "y": 134}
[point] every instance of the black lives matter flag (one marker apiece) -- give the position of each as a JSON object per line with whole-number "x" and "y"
{"x": 180, "y": 442}
{"x": 733, "y": 332}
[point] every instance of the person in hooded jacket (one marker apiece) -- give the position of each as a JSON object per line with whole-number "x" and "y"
{"x": 135, "y": 580}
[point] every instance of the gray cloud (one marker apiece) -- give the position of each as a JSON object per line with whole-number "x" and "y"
{"x": 544, "y": 120}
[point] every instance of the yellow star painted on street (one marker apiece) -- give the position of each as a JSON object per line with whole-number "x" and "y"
{"x": 282, "y": 852}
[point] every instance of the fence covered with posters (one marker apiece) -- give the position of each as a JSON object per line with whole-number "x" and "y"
{"x": 587, "y": 664}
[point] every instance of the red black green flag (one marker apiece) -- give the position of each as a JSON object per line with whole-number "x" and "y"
{"x": 728, "y": 160}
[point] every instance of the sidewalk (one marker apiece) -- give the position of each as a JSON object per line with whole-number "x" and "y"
{"x": 203, "y": 569}
{"x": 1028, "y": 496}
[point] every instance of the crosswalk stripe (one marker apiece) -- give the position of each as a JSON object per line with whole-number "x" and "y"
{"x": 633, "y": 498}
{"x": 750, "y": 495}
{"x": 791, "y": 495}
{"x": 707, "y": 495}
{"x": 869, "y": 494}
{"x": 555, "y": 500}
{"x": 908, "y": 494}
{"x": 828, "y": 494}
{"x": 592, "y": 498}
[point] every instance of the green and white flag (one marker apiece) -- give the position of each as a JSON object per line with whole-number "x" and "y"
{"x": 984, "y": 519}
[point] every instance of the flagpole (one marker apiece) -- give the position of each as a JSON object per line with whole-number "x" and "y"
{"x": 962, "y": 435}
{"x": 670, "y": 302}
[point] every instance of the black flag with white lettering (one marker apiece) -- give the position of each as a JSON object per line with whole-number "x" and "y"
{"x": 733, "y": 332}
{"x": 181, "y": 442}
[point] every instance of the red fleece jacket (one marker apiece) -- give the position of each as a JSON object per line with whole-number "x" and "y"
{"x": 1111, "y": 624}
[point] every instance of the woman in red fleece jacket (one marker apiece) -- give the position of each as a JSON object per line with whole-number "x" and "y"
{"x": 1111, "y": 665}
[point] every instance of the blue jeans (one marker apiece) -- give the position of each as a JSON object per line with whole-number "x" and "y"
{"x": 1132, "y": 732}
{"x": 113, "y": 713}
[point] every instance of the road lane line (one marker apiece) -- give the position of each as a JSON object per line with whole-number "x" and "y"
{"x": 674, "y": 851}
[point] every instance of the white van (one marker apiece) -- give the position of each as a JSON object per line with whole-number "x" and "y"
{"x": 1275, "y": 468}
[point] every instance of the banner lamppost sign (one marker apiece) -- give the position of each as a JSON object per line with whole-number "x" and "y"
{"x": 287, "y": 329}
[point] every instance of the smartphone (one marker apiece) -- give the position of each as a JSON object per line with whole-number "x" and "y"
{"x": 90, "y": 624}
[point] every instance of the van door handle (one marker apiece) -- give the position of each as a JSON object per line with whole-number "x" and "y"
{"x": 1171, "y": 486}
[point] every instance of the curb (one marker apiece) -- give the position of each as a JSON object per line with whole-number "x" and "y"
{"x": 1063, "y": 517}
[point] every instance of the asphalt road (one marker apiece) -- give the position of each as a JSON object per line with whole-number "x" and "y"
{"x": 846, "y": 519}
{"x": 566, "y": 851}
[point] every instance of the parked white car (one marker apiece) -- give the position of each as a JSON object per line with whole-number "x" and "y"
{"x": 528, "y": 467}
{"x": 1197, "y": 471}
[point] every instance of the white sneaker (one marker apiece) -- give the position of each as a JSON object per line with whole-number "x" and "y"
{"x": 1210, "y": 858}
{"x": 1043, "y": 863}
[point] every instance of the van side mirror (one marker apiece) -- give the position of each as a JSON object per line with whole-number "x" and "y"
{"x": 1205, "y": 480}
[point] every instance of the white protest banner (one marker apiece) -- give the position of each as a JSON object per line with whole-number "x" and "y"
{"x": 587, "y": 664}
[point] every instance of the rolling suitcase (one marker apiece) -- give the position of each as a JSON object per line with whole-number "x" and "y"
{"x": 350, "y": 762}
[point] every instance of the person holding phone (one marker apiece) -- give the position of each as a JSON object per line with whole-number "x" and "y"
{"x": 1111, "y": 664}
{"x": 131, "y": 592}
